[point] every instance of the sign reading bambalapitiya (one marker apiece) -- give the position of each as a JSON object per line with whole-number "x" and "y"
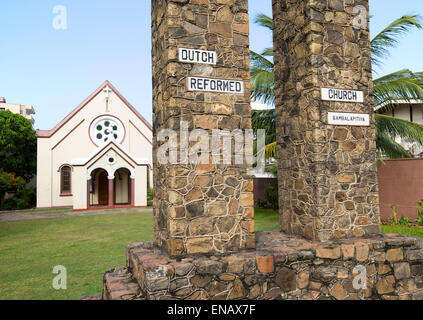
{"x": 197, "y": 56}
{"x": 215, "y": 85}
{"x": 342, "y": 95}
{"x": 348, "y": 119}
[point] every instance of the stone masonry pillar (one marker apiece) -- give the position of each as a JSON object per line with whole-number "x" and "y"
{"x": 327, "y": 172}
{"x": 201, "y": 207}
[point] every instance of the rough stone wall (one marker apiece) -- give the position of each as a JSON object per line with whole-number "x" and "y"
{"x": 282, "y": 267}
{"x": 327, "y": 174}
{"x": 201, "y": 208}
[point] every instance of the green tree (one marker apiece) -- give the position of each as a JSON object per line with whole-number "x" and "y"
{"x": 403, "y": 85}
{"x": 9, "y": 183}
{"x": 18, "y": 145}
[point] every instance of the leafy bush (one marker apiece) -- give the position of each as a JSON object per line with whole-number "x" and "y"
{"x": 404, "y": 221}
{"x": 271, "y": 191}
{"x": 150, "y": 195}
{"x": 25, "y": 198}
{"x": 419, "y": 220}
{"x": 9, "y": 183}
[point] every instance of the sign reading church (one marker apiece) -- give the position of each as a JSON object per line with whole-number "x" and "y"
{"x": 342, "y": 95}
{"x": 100, "y": 155}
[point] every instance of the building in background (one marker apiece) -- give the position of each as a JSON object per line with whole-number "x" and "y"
{"x": 100, "y": 155}
{"x": 24, "y": 110}
{"x": 406, "y": 110}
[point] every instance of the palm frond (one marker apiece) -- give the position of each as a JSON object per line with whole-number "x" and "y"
{"x": 388, "y": 147}
{"x": 389, "y": 37}
{"x": 262, "y": 78}
{"x": 260, "y": 62}
{"x": 262, "y": 86}
{"x": 264, "y": 21}
{"x": 265, "y": 119}
{"x": 402, "y": 85}
{"x": 268, "y": 52}
{"x": 397, "y": 127}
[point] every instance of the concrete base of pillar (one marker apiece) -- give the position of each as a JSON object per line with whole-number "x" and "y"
{"x": 282, "y": 267}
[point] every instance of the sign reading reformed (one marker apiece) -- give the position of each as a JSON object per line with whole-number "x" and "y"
{"x": 197, "y": 56}
{"x": 342, "y": 95}
{"x": 348, "y": 119}
{"x": 215, "y": 85}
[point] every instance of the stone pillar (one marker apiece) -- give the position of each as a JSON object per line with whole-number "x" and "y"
{"x": 111, "y": 192}
{"x": 327, "y": 172}
{"x": 201, "y": 208}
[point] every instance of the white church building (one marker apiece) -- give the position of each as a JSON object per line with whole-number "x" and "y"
{"x": 100, "y": 155}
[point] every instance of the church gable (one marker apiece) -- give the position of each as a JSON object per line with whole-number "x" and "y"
{"x": 109, "y": 156}
{"x": 104, "y": 92}
{"x": 103, "y": 117}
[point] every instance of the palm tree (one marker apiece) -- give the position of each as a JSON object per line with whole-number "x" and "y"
{"x": 403, "y": 85}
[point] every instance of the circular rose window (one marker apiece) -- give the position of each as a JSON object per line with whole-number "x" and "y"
{"x": 106, "y": 129}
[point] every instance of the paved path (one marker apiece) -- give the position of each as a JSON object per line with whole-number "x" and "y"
{"x": 27, "y": 215}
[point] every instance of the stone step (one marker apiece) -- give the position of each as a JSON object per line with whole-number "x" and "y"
{"x": 142, "y": 258}
{"x": 118, "y": 284}
{"x": 284, "y": 267}
{"x": 95, "y": 297}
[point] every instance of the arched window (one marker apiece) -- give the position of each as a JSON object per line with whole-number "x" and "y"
{"x": 65, "y": 181}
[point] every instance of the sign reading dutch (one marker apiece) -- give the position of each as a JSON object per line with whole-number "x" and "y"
{"x": 348, "y": 119}
{"x": 215, "y": 85}
{"x": 197, "y": 56}
{"x": 342, "y": 95}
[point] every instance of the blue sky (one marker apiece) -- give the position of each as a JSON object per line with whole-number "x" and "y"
{"x": 54, "y": 70}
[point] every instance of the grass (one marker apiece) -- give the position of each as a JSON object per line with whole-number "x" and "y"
{"x": 407, "y": 231}
{"x": 266, "y": 220}
{"x": 87, "y": 246}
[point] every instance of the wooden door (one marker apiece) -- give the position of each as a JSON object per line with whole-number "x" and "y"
{"x": 103, "y": 189}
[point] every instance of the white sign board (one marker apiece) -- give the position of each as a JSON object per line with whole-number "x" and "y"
{"x": 342, "y": 95}
{"x": 215, "y": 85}
{"x": 197, "y": 56}
{"x": 348, "y": 119}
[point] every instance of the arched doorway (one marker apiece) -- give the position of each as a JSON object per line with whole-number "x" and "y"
{"x": 122, "y": 187}
{"x": 99, "y": 188}
{"x": 103, "y": 189}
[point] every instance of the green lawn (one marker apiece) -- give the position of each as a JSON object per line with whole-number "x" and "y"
{"x": 87, "y": 246}
{"x": 413, "y": 232}
{"x": 266, "y": 220}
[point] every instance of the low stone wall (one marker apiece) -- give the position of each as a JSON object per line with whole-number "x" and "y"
{"x": 282, "y": 267}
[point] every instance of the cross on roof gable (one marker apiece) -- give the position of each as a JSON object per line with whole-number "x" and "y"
{"x": 49, "y": 133}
